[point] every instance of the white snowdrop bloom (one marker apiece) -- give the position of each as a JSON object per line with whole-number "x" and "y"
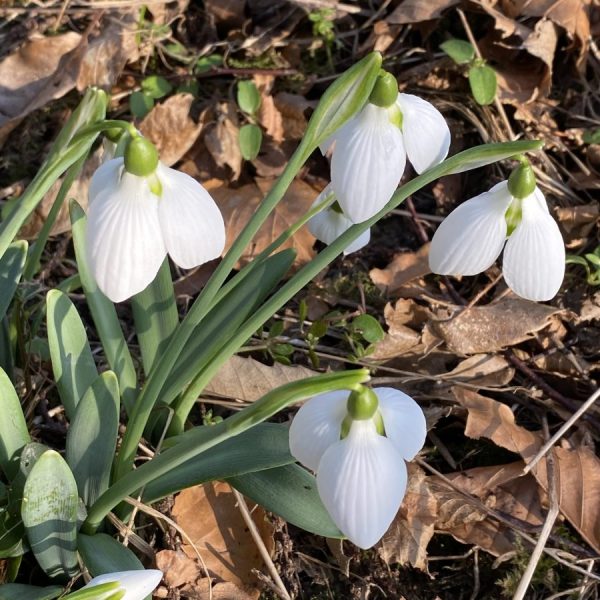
{"x": 471, "y": 238}
{"x": 330, "y": 223}
{"x": 359, "y": 456}
{"x": 136, "y": 584}
{"x": 370, "y": 151}
{"x": 134, "y": 221}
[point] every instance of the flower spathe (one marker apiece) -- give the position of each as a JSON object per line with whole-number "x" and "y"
{"x": 370, "y": 151}
{"x": 136, "y": 584}
{"x": 329, "y": 224}
{"x": 361, "y": 478}
{"x": 472, "y": 237}
{"x": 131, "y": 229}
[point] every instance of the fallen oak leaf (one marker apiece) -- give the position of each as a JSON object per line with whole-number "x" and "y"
{"x": 404, "y": 267}
{"x": 222, "y": 139}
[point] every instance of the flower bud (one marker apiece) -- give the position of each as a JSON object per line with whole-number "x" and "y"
{"x": 141, "y": 157}
{"x": 521, "y": 182}
{"x": 362, "y": 404}
{"x": 385, "y": 90}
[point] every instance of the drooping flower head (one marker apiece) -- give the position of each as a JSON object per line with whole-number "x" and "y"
{"x": 140, "y": 210}
{"x": 369, "y": 152}
{"x": 514, "y": 213}
{"x": 328, "y": 224}
{"x": 135, "y": 585}
{"x": 357, "y": 444}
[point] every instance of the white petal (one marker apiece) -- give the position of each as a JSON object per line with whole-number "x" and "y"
{"x": 316, "y": 426}
{"x": 104, "y": 177}
{"x": 124, "y": 241}
{"x": 426, "y": 133}
{"x": 403, "y": 420}
{"x": 471, "y": 237}
{"x": 137, "y": 584}
{"x": 534, "y": 258}
{"x": 191, "y": 222}
{"x": 367, "y": 164}
{"x": 360, "y": 242}
{"x": 362, "y": 480}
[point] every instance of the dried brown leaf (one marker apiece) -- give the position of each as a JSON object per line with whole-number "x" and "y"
{"x": 268, "y": 113}
{"x": 238, "y": 206}
{"x": 415, "y": 11}
{"x": 247, "y": 379}
{"x": 222, "y": 139}
{"x": 491, "y": 328}
{"x": 578, "y": 222}
{"x": 486, "y": 370}
{"x": 210, "y": 517}
{"x": 404, "y": 267}
{"x": 229, "y": 12}
{"x": 170, "y": 127}
{"x": 178, "y": 568}
{"x": 292, "y": 108}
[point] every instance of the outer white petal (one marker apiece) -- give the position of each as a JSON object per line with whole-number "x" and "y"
{"x": 328, "y": 225}
{"x": 403, "y": 420}
{"x": 367, "y": 163}
{"x": 137, "y": 584}
{"x": 316, "y": 426}
{"x": 426, "y": 133}
{"x": 471, "y": 237}
{"x": 191, "y": 223}
{"x": 534, "y": 258}
{"x": 104, "y": 177}
{"x": 124, "y": 240}
{"x": 362, "y": 480}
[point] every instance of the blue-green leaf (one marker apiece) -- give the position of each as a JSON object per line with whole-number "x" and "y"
{"x": 20, "y": 591}
{"x": 103, "y": 554}
{"x": 13, "y": 428}
{"x": 72, "y": 361}
{"x": 290, "y": 492}
{"x": 49, "y": 512}
{"x": 11, "y": 269}
{"x": 92, "y": 437}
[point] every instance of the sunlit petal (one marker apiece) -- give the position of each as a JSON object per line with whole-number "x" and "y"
{"x": 534, "y": 258}
{"x": 191, "y": 223}
{"x": 367, "y": 163}
{"x": 403, "y": 420}
{"x": 471, "y": 237}
{"x": 362, "y": 480}
{"x": 426, "y": 133}
{"x": 316, "y": 426}
{"x": 124, "y": 240}
{"x": 136, "y": 584}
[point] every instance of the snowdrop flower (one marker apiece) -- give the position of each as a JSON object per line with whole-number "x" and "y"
{"x": 357, "y": 444}
{"x": 369, "y": 152}
{"x": 136, "y": 584}
{"x": 330, "y": 223}
{"x": 471, "y": 238}
{"x": 140, "y": 210}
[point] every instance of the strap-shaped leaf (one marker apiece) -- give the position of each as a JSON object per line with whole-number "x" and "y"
{"x": 263, "y": 447}
{"x": 104, "y": 315}
{"x": 92, "y": 437}
{"x": 103, "y": 554}
{"x": 11, "y": 269}
{"x": 49, "y": 512}
{"x": 13, "y": 428}
{"x": 72, "y": 361}
{"x": 291, "y": 493}
{"x": 20, "y": 591}
{"x": 155, "y": 316}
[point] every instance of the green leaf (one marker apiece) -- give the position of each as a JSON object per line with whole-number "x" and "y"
{"x": 103, "y": 554}
{"x": 482, "y": 79}
{"x": 206, "y": 63}
{"x": 49, "y": 512}
{"x": 368, "y": 327}
{"x": 72, "y": 361}
{"x": 460, "y": 51}
{"x": 12, "y": 534}
{"x": 593, "y": 258}
{"x": 11, "y": 269}
{"x": 250, "y": 140}
{"x": 248, "y": 97}
{"x": 155, "y": 316}
{"x": 592, "y": 136}
{"x": 13, "y": 428}
{"x": 20, "y": 591}
{"x": 156, "y": 87}
{"x": 140, "y": 104}
{"x": 92, "y": 437}
{"x": 290, "y": 492}
{"x": 104, "y": 315}
{"x": 263, "y": 447}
